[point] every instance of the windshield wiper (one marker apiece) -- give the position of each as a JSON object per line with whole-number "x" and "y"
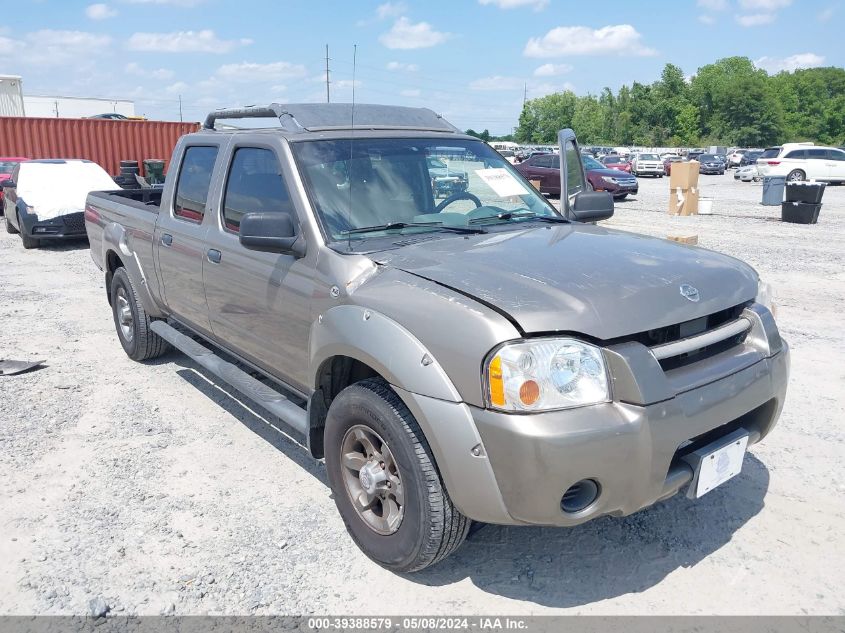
{"x": 391, "y": 226}
{"x": 508, "y": 215}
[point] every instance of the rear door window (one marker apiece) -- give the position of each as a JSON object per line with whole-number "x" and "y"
{"x": 194, "y": 181}
{"x": 835, "y": 154}
{"x": 254, "y": 185}
{"x": 797, "y": 153}
{"x": 770, "y": 152}
{"x": 817, "y": 154}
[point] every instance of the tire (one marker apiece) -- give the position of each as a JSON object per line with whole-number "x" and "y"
{"x": 428, "y": 527}
{"x": 140, "y": 343}
{"x": 796, "y": 175}
{"x": 622, "y": 197}
{"x": 28, "y": 241}
{"x": 10, "y": 228}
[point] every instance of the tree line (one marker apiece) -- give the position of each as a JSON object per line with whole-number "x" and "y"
{"x": 729, "y": 102}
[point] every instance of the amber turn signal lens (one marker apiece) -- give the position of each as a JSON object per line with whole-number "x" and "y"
{"x": 529, "y": 392}
{"x": 497, "y": 385}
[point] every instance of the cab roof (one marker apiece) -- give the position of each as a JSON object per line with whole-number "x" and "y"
{"x": 293, "y": 119}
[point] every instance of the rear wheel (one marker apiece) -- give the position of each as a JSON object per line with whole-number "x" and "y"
{"x": 386, "y": 485}
{"x": 132, "y": 322}
{"x": 796, "y": 175}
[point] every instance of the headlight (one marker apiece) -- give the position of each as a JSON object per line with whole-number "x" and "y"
{"x": 609, "y": 179}
{"x": 766, "y": 296}
{"x": 546, "y": 374}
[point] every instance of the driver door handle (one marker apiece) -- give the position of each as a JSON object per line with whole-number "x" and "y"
{"x": 166, "y": 239}
{"x": 214, "y": 256}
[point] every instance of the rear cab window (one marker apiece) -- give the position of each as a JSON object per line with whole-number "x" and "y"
{"x": 194, "y": 181}
{"x": 770, "y": 152}
{"x": 254, "y": 184}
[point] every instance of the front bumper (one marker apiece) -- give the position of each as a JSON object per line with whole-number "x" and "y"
{"x": 69, "y": 226}
{"x": 651, "y": 170}
{"x": 633, "y": 450}
{"x": 711, "y": 170}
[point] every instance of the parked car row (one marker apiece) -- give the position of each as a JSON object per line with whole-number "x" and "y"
{"x": 615, "y": 180}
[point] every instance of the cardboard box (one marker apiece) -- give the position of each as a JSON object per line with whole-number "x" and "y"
{"x": 683, "y": 202}
{"x": 684, "y": 175}
{"x": 684, "y": 239}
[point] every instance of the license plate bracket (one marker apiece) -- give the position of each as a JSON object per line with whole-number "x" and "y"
{"x": 717, "y": 462}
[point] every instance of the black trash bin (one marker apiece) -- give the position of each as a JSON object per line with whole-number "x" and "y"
{"x": 810, "y": 192}
{"x": 800, "y": 212}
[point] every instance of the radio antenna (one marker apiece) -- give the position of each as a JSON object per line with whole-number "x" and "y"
{"x": 351, "y": 149}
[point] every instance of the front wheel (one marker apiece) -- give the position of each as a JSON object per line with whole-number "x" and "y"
{"x": 385, "y": 483}
{"x": 620, "y": 197}
{"x": 10, "y": 228}
{"x": 796, "y": 175}
{"x": 132, "y": 322}
{"x": 28, "y": 240}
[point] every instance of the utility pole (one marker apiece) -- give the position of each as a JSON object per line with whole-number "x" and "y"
{"x": 57, "y": 108}
{"x": 180, "y": 108}
{"x": 328, "y": 95}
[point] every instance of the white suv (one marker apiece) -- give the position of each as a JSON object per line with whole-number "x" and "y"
{"x": 803, "y": 161}
{"x": 645, "y": 164}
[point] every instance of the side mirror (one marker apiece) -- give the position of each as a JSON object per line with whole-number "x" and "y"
{"x": 592, "y": 206}
{"x": 271, "y": 232}
{"x": 8, "y": 182}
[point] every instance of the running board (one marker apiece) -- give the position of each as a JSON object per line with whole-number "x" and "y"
{"x": 270, "y": 399}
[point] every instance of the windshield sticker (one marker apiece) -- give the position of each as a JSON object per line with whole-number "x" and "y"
{"x": 501, "y": 182}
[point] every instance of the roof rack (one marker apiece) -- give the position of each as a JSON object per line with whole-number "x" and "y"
{"x": 298, "y": 118}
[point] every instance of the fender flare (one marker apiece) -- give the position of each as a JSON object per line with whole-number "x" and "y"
{"x": 383, "y": 344}
{"x": 115, "y": 240}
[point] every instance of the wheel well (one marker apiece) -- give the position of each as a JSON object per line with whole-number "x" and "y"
{"x": 335, "y": 375}
{"x": 113, "y": 262}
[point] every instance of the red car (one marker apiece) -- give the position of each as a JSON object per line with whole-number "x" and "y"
{"x": 667, "y": 163}
{"x": 617, "y": 162}
{"x": 7, "y": 166}
{"x": 545, "y": 168}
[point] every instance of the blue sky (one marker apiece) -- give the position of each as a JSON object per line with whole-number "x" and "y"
{"x": 469, "y": 59}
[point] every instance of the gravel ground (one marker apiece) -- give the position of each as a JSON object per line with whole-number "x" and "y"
{"x": 146, "y": 488}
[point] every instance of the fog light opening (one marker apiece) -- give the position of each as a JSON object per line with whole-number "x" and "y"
{"x": 579, "y": 496}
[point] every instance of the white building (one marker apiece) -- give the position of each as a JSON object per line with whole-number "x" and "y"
{"x": 74, "y": 107}
{"x": 11, "y": 96}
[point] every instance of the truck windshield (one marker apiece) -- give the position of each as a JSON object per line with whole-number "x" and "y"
{"x": 360, "y": 186}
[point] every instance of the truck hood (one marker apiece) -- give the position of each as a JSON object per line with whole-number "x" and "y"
{"x": 580, "y": 278}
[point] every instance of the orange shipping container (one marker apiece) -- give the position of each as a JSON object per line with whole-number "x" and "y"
{"x": 104, "y": 141}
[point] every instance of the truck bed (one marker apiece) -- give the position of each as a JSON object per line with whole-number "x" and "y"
{"x": 147, "y": 199}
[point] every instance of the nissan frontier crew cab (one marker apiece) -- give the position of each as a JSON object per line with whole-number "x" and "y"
{"x": 475, "y": 357}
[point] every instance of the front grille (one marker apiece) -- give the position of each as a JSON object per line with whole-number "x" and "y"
{"x": 686, "y": 329}
{"x": 75, "y": 223}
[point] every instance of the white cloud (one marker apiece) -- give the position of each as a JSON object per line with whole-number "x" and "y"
{"x": 713, "y": 5}
{"x": 8, "y": 45}
{"x": 497, "y": 82}
{"x": 546, "y": 88}
{"x": 621, "y": 39}
{"x": 552, "y": 70}
{"x": 537, "y": 5}
{"x": 404, "y": 34}
{"x": 764, "y": 5}
{"x": 709, "y": 20}
{"x": 133, "y": 68}
{"x": 205, "y": 41}
{"x": 176, "y": 88}
{"x": 49, "y": 47}
{"x": 402, "y": 66}
{"x": 390, "y": 10}
{"x": 793, "y": 62}
{"x": 175, "y": 3}
{"x": 248, "y": 72}
{"x": 100, "y": 11}
{"x": 410, "y": 93}
{"x": 756, "y": 19}
{"x": 827, "y": 14}
{"x": 348, "y": 83}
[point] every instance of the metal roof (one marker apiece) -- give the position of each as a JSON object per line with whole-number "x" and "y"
{"x": 318, "y": 117}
